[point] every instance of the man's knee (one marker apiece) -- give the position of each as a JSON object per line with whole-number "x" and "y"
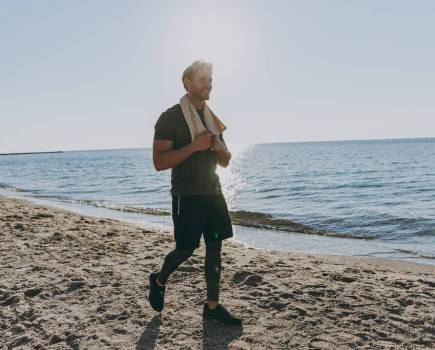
{"x": 186, "y": 253}
{"x": 185, "y": 247}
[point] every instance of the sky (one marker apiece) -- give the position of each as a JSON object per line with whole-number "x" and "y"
{"x": 77, "y": 75}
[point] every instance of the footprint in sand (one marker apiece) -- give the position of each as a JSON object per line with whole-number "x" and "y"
{"x": 367, "y": 316}
{"x": 405, "y": 301}
{"x": 42, "y": 216}
{"x": 30, "y": 293}
{"x": 247, "y": 278}
{"x": 318, "y": 343}
{"x": 342, "y": 278}
{"x": 74, "y": 285}
{"x": 429, "y": 283}
{"x": 402, "y": 284}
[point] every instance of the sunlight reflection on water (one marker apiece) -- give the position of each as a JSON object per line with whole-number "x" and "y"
{"x": 230, "y": 177}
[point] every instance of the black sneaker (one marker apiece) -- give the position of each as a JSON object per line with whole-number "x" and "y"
{"x": 156, "y": 295}
{"x": 221, "y": 314}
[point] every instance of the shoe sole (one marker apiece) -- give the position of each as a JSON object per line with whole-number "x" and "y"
{"x": 150, "y": 281}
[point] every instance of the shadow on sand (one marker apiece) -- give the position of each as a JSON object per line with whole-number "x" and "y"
{"x": 147, "y": 340}
{"x": 215, "y": 336}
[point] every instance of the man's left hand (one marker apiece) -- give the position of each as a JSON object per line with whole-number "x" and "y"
{"x": 213, "y": 142}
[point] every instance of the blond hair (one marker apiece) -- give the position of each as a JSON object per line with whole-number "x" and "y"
{"x": 190, "y": 71}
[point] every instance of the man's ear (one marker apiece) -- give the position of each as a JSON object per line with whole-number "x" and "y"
{"x": 186, "y": 83}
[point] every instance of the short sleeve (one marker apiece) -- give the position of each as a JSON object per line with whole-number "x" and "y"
{"x": 164, "y": 128}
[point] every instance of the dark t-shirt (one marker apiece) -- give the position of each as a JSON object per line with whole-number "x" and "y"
{"x": 197, "y": 174}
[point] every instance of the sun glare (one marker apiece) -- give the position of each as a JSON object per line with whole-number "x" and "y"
{"x": 219, "y": 34}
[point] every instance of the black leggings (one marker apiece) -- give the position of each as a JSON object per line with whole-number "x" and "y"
{"x": 212, "y": 266}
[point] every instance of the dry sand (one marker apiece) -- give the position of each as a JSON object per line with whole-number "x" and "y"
{"x": 69, "y": 281}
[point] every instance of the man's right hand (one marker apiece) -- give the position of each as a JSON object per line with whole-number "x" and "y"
{"x": 203, "y": 140}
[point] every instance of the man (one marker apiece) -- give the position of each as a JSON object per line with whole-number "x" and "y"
{"x": 188, "y": 139}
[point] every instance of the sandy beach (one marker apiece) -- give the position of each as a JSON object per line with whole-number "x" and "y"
{"x": 69, "y": 281}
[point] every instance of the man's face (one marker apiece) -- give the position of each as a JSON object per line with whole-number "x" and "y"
{"x": 201, "y": 86}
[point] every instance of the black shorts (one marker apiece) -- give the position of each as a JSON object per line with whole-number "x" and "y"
{"x": 197, "y": 215}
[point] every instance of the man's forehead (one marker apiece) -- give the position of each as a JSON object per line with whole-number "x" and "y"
{"x": 203, "y": 72}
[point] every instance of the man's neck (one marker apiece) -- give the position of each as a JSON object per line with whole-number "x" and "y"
{"x": 198, "y": 104}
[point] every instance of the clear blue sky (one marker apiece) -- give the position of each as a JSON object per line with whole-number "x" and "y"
{"x": 97, "y": 74}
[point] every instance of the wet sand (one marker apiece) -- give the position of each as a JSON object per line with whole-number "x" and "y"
{"x": 69, "y": 281}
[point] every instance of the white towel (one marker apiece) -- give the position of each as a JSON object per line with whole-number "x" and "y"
{"x": 195, "y": 124}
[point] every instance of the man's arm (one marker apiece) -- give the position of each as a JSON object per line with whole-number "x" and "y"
{"x": 164, "y": 157}
{"x": 224, "y": 156}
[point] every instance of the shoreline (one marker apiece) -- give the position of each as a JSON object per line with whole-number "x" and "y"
{"x": 71, "y": 280}
{"x": 255, "y": 237}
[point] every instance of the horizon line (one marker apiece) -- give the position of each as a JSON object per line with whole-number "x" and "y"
{"x": 260, "y": 143}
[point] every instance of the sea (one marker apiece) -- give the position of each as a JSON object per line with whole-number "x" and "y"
{"x": 371, "y": 198}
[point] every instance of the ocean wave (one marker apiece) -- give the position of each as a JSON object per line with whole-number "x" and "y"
{"x": 107, "y": 205}
{"x": 425, "y": 224}
{"x": 413, "y": 252}
{"x": 11, "y": 188}
{"x": 267, "y": 221}
{"x": 239, "y": 217}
